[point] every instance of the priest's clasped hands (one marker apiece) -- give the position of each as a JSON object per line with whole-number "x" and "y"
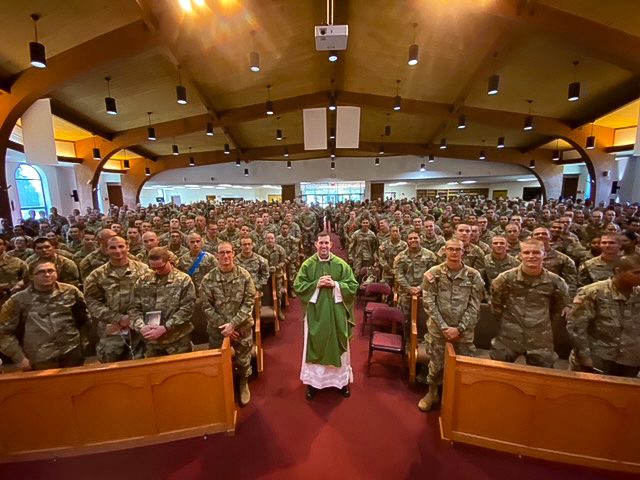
{"x": 326, "y": 281}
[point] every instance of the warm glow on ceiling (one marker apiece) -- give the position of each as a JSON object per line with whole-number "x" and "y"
{"x": 624, "y": 117}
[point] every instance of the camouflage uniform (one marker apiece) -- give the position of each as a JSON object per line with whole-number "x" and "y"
{"x": 590, "y": 231}
{"x": 473, "y": 257}
{"x": 228, "y": 297}
{"x": 434, "y": 244}
{"x": 258, "y": 267}
{"x": 526, "y": 306}
{"x": 408, "y": 269}
{"x": 143, "y": 257}
{"x": 92, "y": 261}
{"x": 177, "y": 251}
{"x": 67, "y": 270}
{"x": 291, "y": 247}
{"x": 175, "y": 296}
{"x": 231, "y": 236}
{"x": 208, "y": 263}
{"x": 604, "y": 326}
{"x": 209, "y": 245}
{"x": 109, "y": 294}
{"x": 564, "y": 266}
{"x": 258, "y": 239}
{"x": 572, "y": 247}
{"x": 363, "y": 249}
{"x": 493, "y": 268}
{"x": 12, "y": 270}
{"x": 276, "y": 256}
{"x": 79, "y": 256}
{"x": 22, "y": 255}
{"x": 48, "y": 324}
{"x": 387, "y": 253}
{"x": 594, "y": 270}
{"x": 308, "y": 224}
{"x": 135, "y": 250}
{"x": 450, "y": 299}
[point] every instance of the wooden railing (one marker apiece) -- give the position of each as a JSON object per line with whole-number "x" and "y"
{"x": 101, "y": 407}
{"x": 571, "y": 417}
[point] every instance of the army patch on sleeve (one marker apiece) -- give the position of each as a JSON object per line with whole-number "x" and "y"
{"x": 429, "y": 276}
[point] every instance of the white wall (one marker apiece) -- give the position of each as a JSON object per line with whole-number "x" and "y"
{"x": 197, "y": 193}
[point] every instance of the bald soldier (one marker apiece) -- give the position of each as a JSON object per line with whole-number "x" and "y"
{"x": 98, "y": 257}
{"x": 227, "y": 294}
{"x": 451, "y": 294}
{"x": 196, "y": 262}
{"x": 525, "y": 300}
{"x": 604, "y": 322}
{"x": 109, "y": 294}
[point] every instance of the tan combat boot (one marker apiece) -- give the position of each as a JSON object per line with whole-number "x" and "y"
{"x": 245, "y": 394}
{"x": 429, "y": 399}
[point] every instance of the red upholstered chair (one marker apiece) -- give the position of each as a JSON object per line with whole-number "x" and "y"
{"x": 375, "y": 296}
{"x": 389, "y": 342}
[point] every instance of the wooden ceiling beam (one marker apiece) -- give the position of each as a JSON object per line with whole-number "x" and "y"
{"x": 80, "y": 120}
{"x": 595, "y": 39}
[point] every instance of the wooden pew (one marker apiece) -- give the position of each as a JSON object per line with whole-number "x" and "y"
{"x": 571, "y": 417}
{"x": 269, "y": 304}
{"x": 102, "y": 407}
{"x": 257, "y": 334}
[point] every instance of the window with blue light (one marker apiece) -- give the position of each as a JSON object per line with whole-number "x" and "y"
{"x": 31, "y": 192}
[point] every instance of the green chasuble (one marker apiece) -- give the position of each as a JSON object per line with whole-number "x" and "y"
{"x": 329, "y": 323}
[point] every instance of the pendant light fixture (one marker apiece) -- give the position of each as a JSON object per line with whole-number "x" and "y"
{"x": 285, "y": 152}
{"x": 381, "y": 149}
{"x": 462, "y": 122}
{"x": 246, "y": 172}
{"x": 181, "y": 90}
{"x": 423, "y": 167}
{"x": 555, "y": 154}
{"x": 209, "y": 131}
{"x": 279, "y": 136}
{"x": 414, "y": 49}
{"x": 37, "y": 52}
{"x": 289, "y": 164}
{"x": 532, "y": 164}
{"x": 573, "y": 92}
{"x": 227, "y": 150}
{"x": 332, "y": 133}
{"x": 174, "y": 149}
{"x": 528, "y": 121}
{"x": 387, "y": 128}
{"x": 254, "y": 56}
{"x": 96, "y": 150}
{"x": 443, "y": 143}
{"x": 333, "y": 56}
{"x": 482, "y": 155}
{"x": 332, "y": 102}
{"x": 192, "y": 161}
{"x": 333, "y": 165}
{"x": 397, "y": 101}
{"x": 126, "y": 165}
{"x": 109, "y": 101}
{"x": 493, "y": 86}
{"x": 269, "y": 105}
{"x": 500, "y": 144}
{"x": 147, "y": 171}
{"x": 151, "y": 132}
{"x": 238, "y": 163}
{"x": 591, "y": 140}
{"x": 333, "y": 152}
{"x": 431, "y": 158}
{"x": 376, "y": 162}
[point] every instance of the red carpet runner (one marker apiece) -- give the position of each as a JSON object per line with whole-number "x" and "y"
{"x": 378, "y": 433}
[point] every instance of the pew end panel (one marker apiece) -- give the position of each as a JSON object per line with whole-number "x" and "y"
{"x": 570, "y": 417}
{"x": 103, "y": 407}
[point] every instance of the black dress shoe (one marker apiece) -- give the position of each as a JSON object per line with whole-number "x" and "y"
{"x": 310, "y": 392}
{"x": 346, "y": 392}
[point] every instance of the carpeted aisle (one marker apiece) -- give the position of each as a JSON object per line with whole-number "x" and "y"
{"x": 378, "y": 433}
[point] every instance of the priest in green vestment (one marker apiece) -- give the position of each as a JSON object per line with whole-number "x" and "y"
{"x": 327, "y": 287}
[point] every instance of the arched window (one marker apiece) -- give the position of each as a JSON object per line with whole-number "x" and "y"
{"x": 31, "y": 192}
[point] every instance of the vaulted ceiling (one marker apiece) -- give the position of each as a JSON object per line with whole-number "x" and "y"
{"x": 532, "y": 45}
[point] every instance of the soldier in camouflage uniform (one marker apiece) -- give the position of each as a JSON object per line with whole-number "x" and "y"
{"x": 176, "y": 245}
{"x": 40, "y": 326}
{"x": 88, "y": 246}
{"x": 387, "y": 253}
{"x": 432, "y": 241}
{"x": 67, "y": 270}
{"x": 211, "y": 241}
{"x": 383, "y": 233}
{"x": 604, "y": 324}
{"x": 451, "y": 294}
{"x": 12, "y": 272}
{"x": 276, "y": 256}
{"x": 600, "y": 267}
{"x": 364, "y": 247}
{"x": 473, "y": 255}
{"x": 150, "y": 240}
{"x": 227, "y": 294}
{"x": 170, "y": 294}
{"x": 205, "y": 260}
{"x": 135, "y": 241}
{"x": 109, "y": 295}
{"x": 20, "y": 250}
{"x": 497, "y": 261}
{"x": 557, "y": 262}
{"x": 253, "y": 263}
{"x": 409, "y": 267}
{"x": 231, "y": 233}
{"x": 99, "y": 256}
{"x": 291, "y": 247}
{"x": 526, "y": 299}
